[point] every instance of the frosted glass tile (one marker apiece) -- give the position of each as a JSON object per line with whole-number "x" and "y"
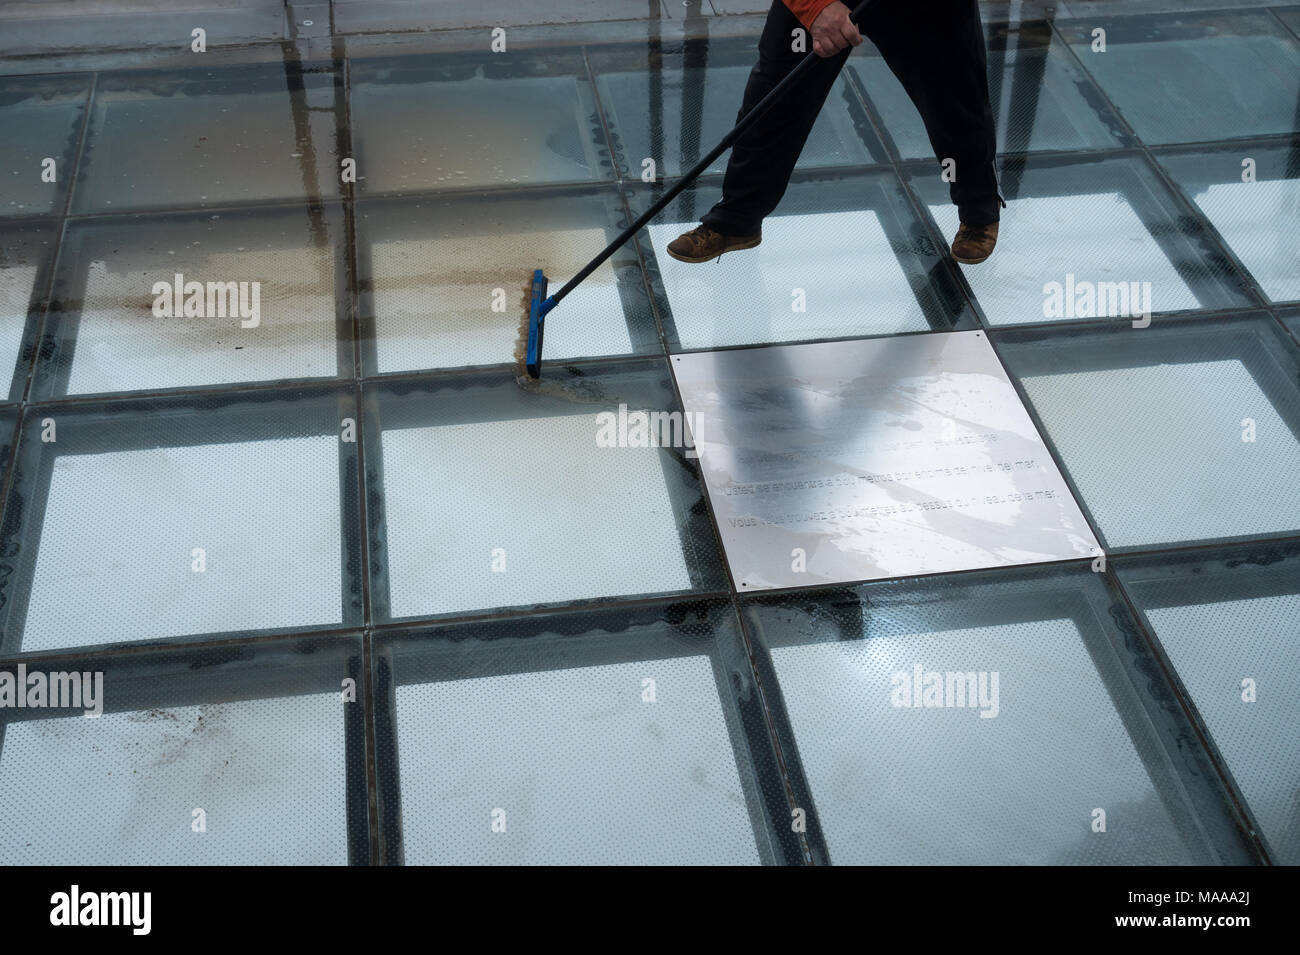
{"x": 1214, "y": 647}
{"x": 542, "y": 491}
{"x": 115, "y": 342}
{"x": 1157, "y": 453}
{"x": 843, "y": 262}
{"x": 914, "y": 785}
{"x": 572, "y": 750}
{"x": 422, "y": 134}
{"x": 115, "y": 559}
{"x": 159, "y": 140}
{"x": 1196, "y": 77}
{"x": 1069, "y": 240}
{"x": 1258, "y": 222}
{"x": 120, "y": 789}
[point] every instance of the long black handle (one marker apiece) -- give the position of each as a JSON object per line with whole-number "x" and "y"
{"x": 750, "y": 118}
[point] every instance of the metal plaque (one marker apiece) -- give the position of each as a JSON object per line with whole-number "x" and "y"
{"x": 861, "y": 460}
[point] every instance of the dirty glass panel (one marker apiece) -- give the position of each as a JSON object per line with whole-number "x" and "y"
{"x": 253, "y": 133}
{"x": 244, "y": 296}
{"x": 1172, "y": 434}
{"x": 1228, "y": 625}
{"x": 42, "y": 119}
{"x": 26, "y": 256}
{"x": 841, "y": 257}
{"x": 442, "y": 279}
{"x": 423, "y": 124}
{"x": 971, "y": 723}
{"x": 481, "y": 479}
{"x": 1044, "y": 100}
{"x": 639, "y": 726}
{"x": 1251, "y": 194}
{"x": 208, "y": 757}
{"x": 671, "y": 102}
{"x": 1095, "y": 239}
{"x": 1194, "y": 77}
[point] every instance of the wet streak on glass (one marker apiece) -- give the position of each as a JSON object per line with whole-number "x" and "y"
{"x": 26, "y": 263}
{"x": 42, "y": 117}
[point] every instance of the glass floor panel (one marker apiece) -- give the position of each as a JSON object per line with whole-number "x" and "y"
{"x": 42, "y": 118}
{"x": 1044, "y": 99}
{"x": 1088, "y": 240}
{"x": 929, "y": 725}
{"x": 1172, "y": 434}
{"x": 423, "y": 125}
{"x": 805, "y": 281}
{"x": 441, "y": 282}
{"x": 264, "y": 306}
{"x": 203, "y": 758}
{"x": 255, "y": 133}
{"x": 671, "y": 106}
{"x": 512, "y": 735}
{"x": 26, "y": 255}
{"x": 470, "y": 471}
{"x": 1256, "y": 219}
{"x": 1244, "y": 687}
{"x": 150, "y": 521}
{"x": 1195, "y": 77}
{"x": 847, "y": 461}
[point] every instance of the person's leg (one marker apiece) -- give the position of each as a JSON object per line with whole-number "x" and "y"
{"x": 763, "y": 159}
{"x": 936, "y": 50}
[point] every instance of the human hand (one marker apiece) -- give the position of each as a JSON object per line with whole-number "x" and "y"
{"x": 832, "y": 31}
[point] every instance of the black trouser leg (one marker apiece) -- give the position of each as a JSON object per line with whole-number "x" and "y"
{"x": 936, "y": 50}
{"x": 763, "y": 159}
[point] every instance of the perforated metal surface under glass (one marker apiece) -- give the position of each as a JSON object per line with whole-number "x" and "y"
{"x": 908, "y": 708}
{"x": 1228, "y": 625}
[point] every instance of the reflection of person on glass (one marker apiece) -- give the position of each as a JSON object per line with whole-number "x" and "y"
{"x": 934, "y": 47}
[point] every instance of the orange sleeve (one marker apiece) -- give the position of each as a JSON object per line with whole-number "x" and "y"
{"x": 807, "y": 10}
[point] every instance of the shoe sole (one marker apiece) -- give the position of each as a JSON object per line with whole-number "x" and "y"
{"x": 738, "y": 247}
{"x": 982, "y": 258}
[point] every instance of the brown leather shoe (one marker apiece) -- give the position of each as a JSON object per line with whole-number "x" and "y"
{"x": 974, "y": 243}
{"x": 702, "y": 244}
